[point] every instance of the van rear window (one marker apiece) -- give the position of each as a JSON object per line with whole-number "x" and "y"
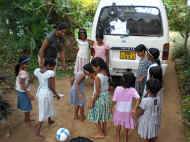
{"x": 130, "y": 20}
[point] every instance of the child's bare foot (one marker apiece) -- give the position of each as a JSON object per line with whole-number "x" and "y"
{"x": 98, "y": 136}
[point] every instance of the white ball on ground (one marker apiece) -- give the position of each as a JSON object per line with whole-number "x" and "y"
{"x": 62, "y": 134}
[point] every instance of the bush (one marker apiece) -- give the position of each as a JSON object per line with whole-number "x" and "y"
{"x": 178, "y": 52}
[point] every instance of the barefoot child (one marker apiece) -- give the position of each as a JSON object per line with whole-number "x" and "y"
{"x": 123, "y": 111}
{"x": 23, "y": 88}
{"x": 46, "y": 89}
{"x": 149, "y": 121}
{"x": 100, "y": 103}
{"x": 142, "y": 69}
{"x": 77, "y": 97}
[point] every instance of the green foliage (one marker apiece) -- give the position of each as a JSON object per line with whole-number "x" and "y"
{"x": 25, "y": 23}
{"x": 179, "y": 18}
{"x": 178, "y": 52}
{"x": 186, "y": 107}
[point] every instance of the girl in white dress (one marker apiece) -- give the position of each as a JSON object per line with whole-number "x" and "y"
{"x": 150, "y": 107}
{"x": 83, "y": 52}
{"x": 46, "y": 89}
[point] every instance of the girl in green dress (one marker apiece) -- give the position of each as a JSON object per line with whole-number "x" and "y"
{"x": 100, "y": 103}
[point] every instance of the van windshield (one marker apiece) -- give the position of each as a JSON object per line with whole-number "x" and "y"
{"x": 130, "y": 21}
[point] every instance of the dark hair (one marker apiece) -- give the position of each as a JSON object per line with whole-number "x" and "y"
{"x": 80, "y": 139}
{"x": 153, "y": 85}
{"x": 99, "y": 62}
{"x": 82, "y": 30}
{"x": 99, "y": 35}
{"x": 22, "y": 60}
{"x": 155, "y": 53}
{"x": 128, "y": 80}
{"x": 156, "y": 73}
{"x": 50, "y": 62}
{"x": 61, "y": 26}
{"x": 88, "y": 67}
{"x": 140, "y": 48}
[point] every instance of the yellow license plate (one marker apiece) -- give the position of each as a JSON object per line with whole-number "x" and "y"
{"x": 127, "y": 55}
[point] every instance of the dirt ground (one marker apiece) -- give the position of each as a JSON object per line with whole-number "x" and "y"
{"x": 172, "y": 129}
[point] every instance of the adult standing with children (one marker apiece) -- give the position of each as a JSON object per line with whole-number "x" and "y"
{"x": 54, "y": 44}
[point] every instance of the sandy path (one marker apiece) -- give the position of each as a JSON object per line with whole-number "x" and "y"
{"x": 171, "y": 129}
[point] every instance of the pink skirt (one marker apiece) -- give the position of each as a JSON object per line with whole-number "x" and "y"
{"x": 124, "y": 119}
{"x": 80, "y": 62}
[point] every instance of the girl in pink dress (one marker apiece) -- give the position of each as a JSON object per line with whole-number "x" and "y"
{"x": 123, "y": 111}
{"x": 100, "y": 48}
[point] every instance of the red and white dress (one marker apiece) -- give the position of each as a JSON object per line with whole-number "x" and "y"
{"x": 82, "y": 55}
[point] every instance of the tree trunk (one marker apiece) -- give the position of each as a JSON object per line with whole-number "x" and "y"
{"x": 186, "y": 40}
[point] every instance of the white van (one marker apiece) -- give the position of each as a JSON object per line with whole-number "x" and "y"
{"x": 128, "y": 23}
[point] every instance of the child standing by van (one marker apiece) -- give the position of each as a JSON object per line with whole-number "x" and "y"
{"x": 153, "y": 57}
{"x": 100, "y": 48}
{"x": 46, "y": 89}
{"x": 77, "y": 97}
{"x": 149, "y": 121}
{"x": 123, "y": 110}
{"x": 100, "y": 103}
{"x": 83, "y": 52}
{"x": 23, "y": 88}
{"x": 142, "y": 68}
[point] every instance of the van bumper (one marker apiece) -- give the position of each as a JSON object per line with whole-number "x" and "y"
{"x": 121, "y": 71}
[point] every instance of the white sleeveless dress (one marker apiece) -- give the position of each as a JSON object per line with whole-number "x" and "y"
{"x": 82, "y": 55}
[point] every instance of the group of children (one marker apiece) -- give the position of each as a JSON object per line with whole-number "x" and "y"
{"x": 145, "y": 89}
{"x": 105, "y": 104}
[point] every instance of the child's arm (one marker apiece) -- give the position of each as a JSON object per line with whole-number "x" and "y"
{"x": 137, "y": 102}
{"x": 97, "y": 92}
{"x": 82, "y": 77}
{"x": 25, "y": 87}
{"x": 90, "y": 42}
{"x": 140, "y": 112}
{"x": 92, "y": 52}
{"x": 51, "y": 84}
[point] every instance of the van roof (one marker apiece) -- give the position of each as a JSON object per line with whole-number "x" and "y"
{"x": 153, "y": 3}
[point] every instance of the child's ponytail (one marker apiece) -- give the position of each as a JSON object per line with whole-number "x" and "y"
{"x": 17, "y": 67}
{"x": 158, "y": 61}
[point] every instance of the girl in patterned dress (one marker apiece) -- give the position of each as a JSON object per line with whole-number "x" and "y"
{"x": 100, "y": 103}
{"x": 83, "y": 52}
{"x": 123, "y": 111}
{"x": 77, "y": 97}
{"x": 150, "y": 107}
